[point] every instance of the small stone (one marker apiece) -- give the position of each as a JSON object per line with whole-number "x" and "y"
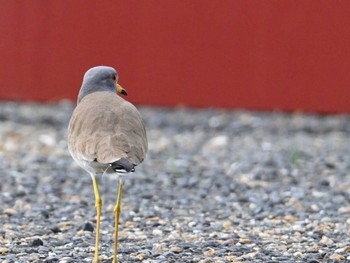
{"x": 227, "y": 225}
{"x": 324, "y": 182}
{"x": 314, "y": 208}
{"x": 37, "y": 242}
{"x": 325, "y": 240}
{"x": 47, "y": 139}
{"x": 209, "y": 252}
{"x": 230, "y": 258}
{"x": 3, "y": 250}
{"x": 344, "y": 210}
{"x": 141, "y": 256}
{"x": 88, "y": 227}
{"x": 65, "y": 225}
{"x": 56, "y": 229}
{"x": 298, "y": 228}
{"x": 245, "y": 240}
{"x": 342, "y": 250}
{"x": 129, "y": 224}
{"x": 290, "y": 218}
{"x": 81, "y": 232}
{"x": 346, "y": 249}
{"x": 251, "y": 255}
{"x": 66, "y": 260}
{"x": 176, "y": 249}
{"x": 10, "y": 211}
{"x": 157, "y": 232}
{"x": 337, "y": 257}
{"x": 91, "y": 249}
{"x": 192, "y": 224}
{"x": 217, "y": 142}
{"x": 153, "y": 219}
{"x": 297, "y": 254}
{"x": 52, "y": 254}
{"x": 103, "y": 258}
{"x": 207, "y": 260}
{"x": 158, "y": 249}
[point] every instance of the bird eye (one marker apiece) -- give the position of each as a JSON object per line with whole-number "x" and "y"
{"x": 114, "y": 77}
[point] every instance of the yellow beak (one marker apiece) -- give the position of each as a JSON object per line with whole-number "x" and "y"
{"x": 121, "y": 90}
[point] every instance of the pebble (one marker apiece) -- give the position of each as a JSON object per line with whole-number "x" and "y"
{"x": 176, "y": 249}
{"x": 297, "y": 254}
{"x": 37, "y": 242}
{"x": 10, "y": 211}
{"x": 88, "y": 227}
{"x": 65, "y": 260}
{"x": 158, "y": 249}
{"x": 327, "y": 241}
{"x": 209, "y": 252}
{"x": 157, "y": 232}
{"x": 3, "y": 250}
{"x": 344, "y": 210}
{"x": 342, "y": 250}
{"x": 337, "y": 257}
{"x": 141, "y": 256}
{"x": 56, "y": 229}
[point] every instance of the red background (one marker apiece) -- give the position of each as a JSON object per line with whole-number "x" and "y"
{"x": 290, "y": 55}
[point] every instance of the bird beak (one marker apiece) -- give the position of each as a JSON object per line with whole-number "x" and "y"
{"x": 121, "y": 90}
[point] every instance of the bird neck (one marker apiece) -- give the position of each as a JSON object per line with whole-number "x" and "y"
{"x": 88, "y": 89}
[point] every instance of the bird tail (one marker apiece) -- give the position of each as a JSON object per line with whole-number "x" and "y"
{"x": 123, "y": 165}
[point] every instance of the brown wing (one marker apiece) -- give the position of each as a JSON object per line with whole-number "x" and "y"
{"x": 105, "y": 127}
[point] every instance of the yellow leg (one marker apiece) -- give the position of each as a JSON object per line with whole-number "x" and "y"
{"x": 117, "y": 214}
{"x": 98, "y": 205}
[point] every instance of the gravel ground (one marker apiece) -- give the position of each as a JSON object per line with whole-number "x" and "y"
{"x": 217, "y": 186}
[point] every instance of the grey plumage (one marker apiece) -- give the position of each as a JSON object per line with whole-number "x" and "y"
{"x": 98, "y": 79}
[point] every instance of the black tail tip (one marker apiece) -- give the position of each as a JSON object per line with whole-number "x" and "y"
{"x": 123, "y": 165}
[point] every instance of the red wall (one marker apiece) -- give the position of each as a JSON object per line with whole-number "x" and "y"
{"x": 289, "y": 54}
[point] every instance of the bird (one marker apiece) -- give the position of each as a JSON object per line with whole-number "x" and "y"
{"x": 106, "y": 135}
